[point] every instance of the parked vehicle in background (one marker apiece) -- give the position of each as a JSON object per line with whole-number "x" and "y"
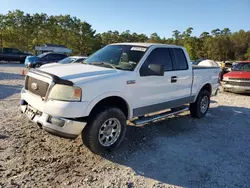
{"x": 238, "y": 80}
{"x": 120, "y": 82}
{"x": 67, "y": 60}
{"x": 209, "y": 63}
{"x": 52, "y": 48}
{"x": 226, "y": 67}
{"x": 45, "y": 58}
{"x": 12, "y": 54}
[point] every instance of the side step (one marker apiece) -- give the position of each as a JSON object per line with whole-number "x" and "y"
{"x": 148, "y": 119}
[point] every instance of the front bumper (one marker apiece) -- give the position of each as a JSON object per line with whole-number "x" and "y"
{"x": 54, "y": 107}
{"x": 235, "y": 88}
{"x": 70, "y": 128}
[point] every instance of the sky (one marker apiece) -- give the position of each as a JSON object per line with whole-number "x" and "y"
{"x": 144, "y": 16}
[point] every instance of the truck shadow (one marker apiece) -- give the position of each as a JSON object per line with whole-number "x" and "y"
{"x": 188, "y": 152}
{"x": 14, "y": 64}
{"x": 9, "y": 90}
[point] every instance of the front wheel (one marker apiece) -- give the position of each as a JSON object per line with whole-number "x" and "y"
{"x": 105, "y": 130}
{"x": 199, "y": 108}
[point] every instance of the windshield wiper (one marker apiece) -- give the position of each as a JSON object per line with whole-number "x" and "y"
{"x": 84, "y": 63}
{"x": 103, "y": 63}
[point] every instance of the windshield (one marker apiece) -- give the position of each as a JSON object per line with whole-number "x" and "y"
{"x": 67, "y": 60}
{"x": 80, "y": 60}
{"x": 124, "y": 57}
{"x": 242, "y": 67}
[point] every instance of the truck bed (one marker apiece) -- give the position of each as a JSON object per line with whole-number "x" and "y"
{"x": 202, "y": 75}
{"x": 203, "y": 67}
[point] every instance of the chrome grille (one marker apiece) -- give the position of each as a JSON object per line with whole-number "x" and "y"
{"x": 36, "y": 86}
{"x": 239, "y": 79}
{"x": 238, "y": 83}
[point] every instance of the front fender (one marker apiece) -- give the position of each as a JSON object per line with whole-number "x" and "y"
{"x": 109, "y": 94}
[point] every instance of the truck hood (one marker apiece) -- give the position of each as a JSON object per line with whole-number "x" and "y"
{"x": 237, "y": 74}
{"x": 78, "y": 72}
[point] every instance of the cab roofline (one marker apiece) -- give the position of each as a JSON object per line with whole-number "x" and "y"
{"x": 146, "y": 44}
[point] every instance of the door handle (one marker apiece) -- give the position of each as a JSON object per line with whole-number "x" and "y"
{"x": 173, "y": 79}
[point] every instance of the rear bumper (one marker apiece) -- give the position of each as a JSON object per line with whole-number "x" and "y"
{"x": 236, "y": 89}
{"x": 215, "y": 92}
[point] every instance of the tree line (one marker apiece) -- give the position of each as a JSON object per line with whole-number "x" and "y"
{"x": 24, "y": 31}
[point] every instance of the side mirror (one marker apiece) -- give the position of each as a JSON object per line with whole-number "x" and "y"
{"x": 155, "y": 69}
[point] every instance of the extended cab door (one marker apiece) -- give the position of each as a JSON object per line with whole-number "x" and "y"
{"x": 152, "y": 93}
{"x": 184, "y": 74}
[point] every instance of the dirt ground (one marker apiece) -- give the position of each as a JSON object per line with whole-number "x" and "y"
{"x": 177, "y": 152}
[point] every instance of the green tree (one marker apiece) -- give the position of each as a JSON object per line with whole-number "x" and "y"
{"x": 24, "y": 31}
{"x": 247, "y": 55}
{"x": 216, "y": 32}
{"x": 154, "y": 38}
{"x": 225, "y": 32}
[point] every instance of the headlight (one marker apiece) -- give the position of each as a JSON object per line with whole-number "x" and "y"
{"x": 65, "y": 93}
{"x": 225, "y": 78}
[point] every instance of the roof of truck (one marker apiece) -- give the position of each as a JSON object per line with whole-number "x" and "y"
{"x": 77, "y": 56}
{"x": 145, "y": 44}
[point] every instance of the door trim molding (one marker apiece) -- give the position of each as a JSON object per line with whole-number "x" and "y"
{"x": 162, "y": 106}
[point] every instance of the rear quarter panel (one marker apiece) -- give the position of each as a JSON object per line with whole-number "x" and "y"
{"x": 205, "y": 76}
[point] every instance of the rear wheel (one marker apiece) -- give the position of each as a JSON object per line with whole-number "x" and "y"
{"x": 199, "y": 108}
{"x": 105, "y": 130}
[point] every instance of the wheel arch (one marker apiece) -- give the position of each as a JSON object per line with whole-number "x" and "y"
{"x": 207, "y": 87}
{"x": 113, "y": 99}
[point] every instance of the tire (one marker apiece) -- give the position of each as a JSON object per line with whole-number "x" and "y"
{"x": 199, "y": 108}
{"x": 93, "y": 137}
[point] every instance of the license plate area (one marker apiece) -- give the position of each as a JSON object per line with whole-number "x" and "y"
{"x": 30, "y": 112}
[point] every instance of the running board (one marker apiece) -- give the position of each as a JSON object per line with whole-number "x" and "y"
{"x": 149, "y": 119}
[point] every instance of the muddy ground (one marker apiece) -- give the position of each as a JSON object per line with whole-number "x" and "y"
{"x": 177, "y": 152}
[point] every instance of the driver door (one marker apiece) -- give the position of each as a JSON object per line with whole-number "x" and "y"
{"x": 152, "y": 92}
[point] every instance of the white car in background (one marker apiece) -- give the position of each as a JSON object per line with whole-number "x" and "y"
{"x": 67, "y": 60}
{"x": 209, "y": 63}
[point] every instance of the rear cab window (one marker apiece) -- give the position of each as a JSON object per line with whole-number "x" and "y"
{"x": 15, "y": 51}
{"x": 6, "y": 50}
{"x": 179, "y": 58}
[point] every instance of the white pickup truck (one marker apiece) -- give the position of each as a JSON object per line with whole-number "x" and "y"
{"x": 119, "y": 83}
